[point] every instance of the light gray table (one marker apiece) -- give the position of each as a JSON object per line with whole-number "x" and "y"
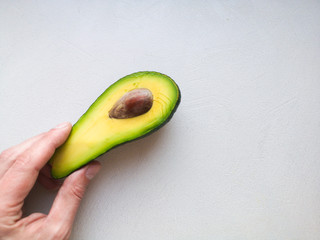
{"x": 241, "y": 157}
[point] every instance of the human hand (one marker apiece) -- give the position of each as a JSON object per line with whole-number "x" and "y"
{"x": 20, "y": 167}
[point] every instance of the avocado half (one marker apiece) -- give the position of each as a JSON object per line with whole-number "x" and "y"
{"x": 123, "y": 112}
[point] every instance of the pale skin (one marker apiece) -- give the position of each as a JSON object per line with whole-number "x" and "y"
{"x": 20, "y": 167}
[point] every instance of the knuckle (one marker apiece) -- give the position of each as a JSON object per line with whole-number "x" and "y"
{"x": 78, "y": 191}
{"x": 23, "y": 160}
{"x": 9, "y": 210}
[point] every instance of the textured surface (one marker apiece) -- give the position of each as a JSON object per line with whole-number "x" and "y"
{"x": 241, "y": 157}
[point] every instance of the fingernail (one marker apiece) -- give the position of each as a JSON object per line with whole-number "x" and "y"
{"x": 92, "y": 171}
{"x": 63, "y": 125}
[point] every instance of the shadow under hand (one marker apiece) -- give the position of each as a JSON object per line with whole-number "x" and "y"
{"x": 131, "y": 155}
{"x": 38, "y": 200}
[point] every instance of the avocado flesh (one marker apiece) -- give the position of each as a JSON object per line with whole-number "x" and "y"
{"x": 96, "y": 133}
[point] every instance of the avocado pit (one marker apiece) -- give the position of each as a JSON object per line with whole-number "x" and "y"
{"x": 132, "y": 104}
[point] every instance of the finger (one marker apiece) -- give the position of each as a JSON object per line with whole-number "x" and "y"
{"x": 8, "y": 156}
{"x": 42, "y": 150}
{"x": 67, "y": 202}
{"x": 20, "y": 178}
{"x": 34, "y": 217}
{"x": 32, "y": 225}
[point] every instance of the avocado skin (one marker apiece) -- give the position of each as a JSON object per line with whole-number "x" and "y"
{"x": 137, "y": 74}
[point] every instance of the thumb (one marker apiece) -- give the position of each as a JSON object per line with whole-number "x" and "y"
{"x": 68, "y": 199}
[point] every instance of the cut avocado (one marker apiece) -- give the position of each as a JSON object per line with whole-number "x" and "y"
{"x": 131, "y": 108}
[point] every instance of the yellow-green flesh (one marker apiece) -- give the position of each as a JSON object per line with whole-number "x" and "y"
{"x": 95, "y": 132}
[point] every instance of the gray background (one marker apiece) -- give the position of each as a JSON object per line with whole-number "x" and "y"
{"x": 241, "y": 157}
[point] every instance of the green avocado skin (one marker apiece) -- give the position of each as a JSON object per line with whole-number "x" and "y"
{"x": 56, "y": 172}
